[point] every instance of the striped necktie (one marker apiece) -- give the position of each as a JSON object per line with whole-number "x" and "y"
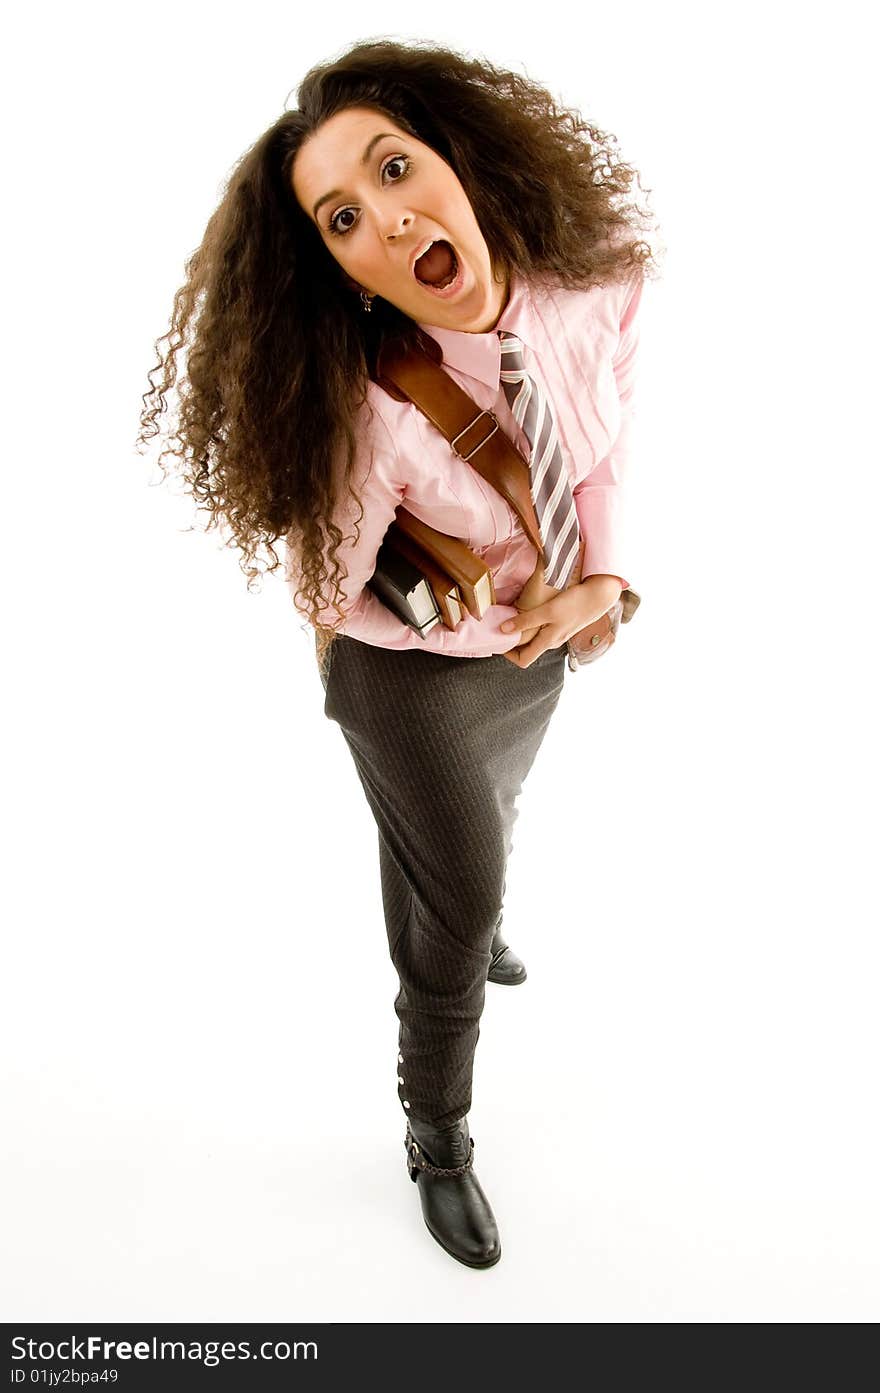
{"x": 551, "y": 490}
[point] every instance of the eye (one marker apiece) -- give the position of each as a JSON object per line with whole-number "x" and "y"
{"x": 335, "y": 226}
{"x": 403, "y": 163}
{"x": 403, "y": 160}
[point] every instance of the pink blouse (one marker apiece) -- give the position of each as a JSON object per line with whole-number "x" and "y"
{"x": 581, "y": 345}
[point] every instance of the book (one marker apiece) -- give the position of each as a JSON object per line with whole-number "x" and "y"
{"x": 467, "y": 570}
{"x": 444, "y": 588}
{"x": 404, "y": 588}
{"x": 427, "y": 577}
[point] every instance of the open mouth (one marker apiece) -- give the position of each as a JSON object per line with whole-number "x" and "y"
{"x": 438, "y": 266}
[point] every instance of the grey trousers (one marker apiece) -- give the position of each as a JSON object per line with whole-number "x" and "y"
{"x": 441, "y": 746}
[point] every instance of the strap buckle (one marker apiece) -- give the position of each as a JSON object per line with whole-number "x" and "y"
{"x": 480, "y": 443}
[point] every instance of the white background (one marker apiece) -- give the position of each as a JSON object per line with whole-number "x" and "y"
{"x": 676, "y": 1116}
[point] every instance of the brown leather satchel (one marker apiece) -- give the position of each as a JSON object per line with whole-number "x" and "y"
{"x": 414, "y": 373}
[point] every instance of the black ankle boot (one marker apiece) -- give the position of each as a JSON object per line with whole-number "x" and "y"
{"x": 454, "y": 1206}
{"x": 505, "y": 967}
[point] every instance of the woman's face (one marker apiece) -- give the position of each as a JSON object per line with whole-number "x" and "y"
{"x": 379, "y": 197}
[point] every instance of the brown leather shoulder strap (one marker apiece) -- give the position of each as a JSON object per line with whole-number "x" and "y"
{"x": 414, "y": 374}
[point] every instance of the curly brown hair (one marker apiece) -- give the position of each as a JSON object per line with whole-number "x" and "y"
{"x": 279, "y": 355}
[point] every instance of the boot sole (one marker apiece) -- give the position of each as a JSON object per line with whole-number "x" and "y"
{"x": 504, "y": 982}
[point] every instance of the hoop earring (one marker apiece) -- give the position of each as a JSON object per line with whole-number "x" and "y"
{"x": 367, "y": 301}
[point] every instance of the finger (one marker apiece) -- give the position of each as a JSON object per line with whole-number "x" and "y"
{"x": 529, "y": 619}
{"x": 528, "y": 652}
{"x": 523, "y": 636}
{"x": 513, "y": 654}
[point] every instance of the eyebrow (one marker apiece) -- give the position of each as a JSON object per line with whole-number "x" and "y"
{"x": 337, "y": 193}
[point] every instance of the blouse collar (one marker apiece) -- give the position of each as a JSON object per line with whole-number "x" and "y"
{"x": 479, "y": 355}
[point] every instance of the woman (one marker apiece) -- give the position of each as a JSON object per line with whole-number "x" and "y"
{"x": 415, "y": 192}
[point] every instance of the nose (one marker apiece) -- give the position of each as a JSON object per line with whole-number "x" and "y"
{"x": 395, "y": 224}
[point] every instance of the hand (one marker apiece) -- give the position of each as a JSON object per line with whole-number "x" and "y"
{"x": 534, "y": 593}
{"x": 566, "y": 612}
